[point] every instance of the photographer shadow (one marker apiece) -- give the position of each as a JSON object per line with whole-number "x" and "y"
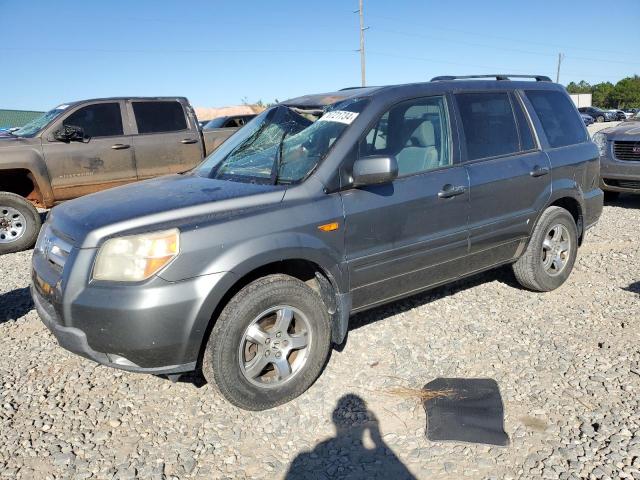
{"x": 356, "y": 452}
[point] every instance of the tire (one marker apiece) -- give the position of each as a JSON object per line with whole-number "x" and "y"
{"x": 537, "y": 269}
{"x": 599, "y": 119}
{"x": 231, "y": 361}
{"x": 19, "y": 223}
{"x": 610, "y": 196}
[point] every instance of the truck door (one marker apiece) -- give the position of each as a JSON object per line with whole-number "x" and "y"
{"x": 167, "y": 140}
{"x": 103, "y": 160}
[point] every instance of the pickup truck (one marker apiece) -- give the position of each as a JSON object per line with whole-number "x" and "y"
{"x": 90, "y": 145}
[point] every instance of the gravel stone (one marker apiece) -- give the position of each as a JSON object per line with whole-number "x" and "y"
{"x": 564, "y": 361}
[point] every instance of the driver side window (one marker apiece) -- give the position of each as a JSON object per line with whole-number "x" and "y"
{"x": 98, "y": 120}
{"x": 415, "y": 132}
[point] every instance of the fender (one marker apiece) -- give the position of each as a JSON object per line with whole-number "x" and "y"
{"x": 26, "y": 154}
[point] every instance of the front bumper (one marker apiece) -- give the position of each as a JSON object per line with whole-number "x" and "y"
{"x": 157, "y": 327}
{"x": 619, "y": 175}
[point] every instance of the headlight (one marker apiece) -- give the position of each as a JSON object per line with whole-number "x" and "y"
{"x": 600, "y": 139}
{"x": 137, "y": 257}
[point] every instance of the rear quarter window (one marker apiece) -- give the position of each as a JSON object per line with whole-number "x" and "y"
{"x": 560, "y": 122}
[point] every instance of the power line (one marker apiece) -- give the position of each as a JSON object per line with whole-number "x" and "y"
{"x": 500, "y": 37}
{"x": 479, "y": 45}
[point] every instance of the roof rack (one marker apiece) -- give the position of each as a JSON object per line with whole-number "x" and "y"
{"x": 497, "y": 76}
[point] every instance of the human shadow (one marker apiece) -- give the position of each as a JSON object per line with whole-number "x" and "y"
{"x": 15, "y": 304}
{"x": 633, "y": 287}
{"x": 346, "y": 456}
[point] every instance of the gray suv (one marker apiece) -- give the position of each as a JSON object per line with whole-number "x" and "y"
{"x": 249, "y": 266}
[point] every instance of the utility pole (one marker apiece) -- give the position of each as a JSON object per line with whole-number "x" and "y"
{"x": 560, "y": 58}
{"x": 362, "y": 29}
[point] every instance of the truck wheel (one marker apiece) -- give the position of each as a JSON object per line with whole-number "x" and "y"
{"x": 549, "y": 258}
{"x": 269, "y": 344}
{"x": 19, "y": 223}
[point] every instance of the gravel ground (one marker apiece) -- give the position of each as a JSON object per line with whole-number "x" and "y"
{"x": 567, "y": 364}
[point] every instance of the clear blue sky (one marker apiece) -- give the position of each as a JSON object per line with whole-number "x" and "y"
{"x": 217, "y": 53}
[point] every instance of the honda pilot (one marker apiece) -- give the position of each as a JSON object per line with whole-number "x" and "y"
{"x": 249, "y": 266}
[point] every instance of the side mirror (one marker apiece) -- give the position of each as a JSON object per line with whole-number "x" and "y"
{"x": 374, "y": 170}
{"x": 69, "y": 133}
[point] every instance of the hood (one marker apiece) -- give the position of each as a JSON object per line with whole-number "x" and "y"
{"x": 629, "y": 130}
{"x": 9, "y": 141}
{"x": 164, "y": 200}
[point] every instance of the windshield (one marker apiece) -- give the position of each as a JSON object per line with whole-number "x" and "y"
{"x": 282, "y": 144}
{"x": 34, "y": 126}
{"x": 215, "y": 123}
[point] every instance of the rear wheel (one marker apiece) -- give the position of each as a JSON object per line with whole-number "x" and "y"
{"x": 269, "y": 344}
{"x": 549, "y": 258}
{"x": 599, "y": 119}
{"x": 19, "y": 223}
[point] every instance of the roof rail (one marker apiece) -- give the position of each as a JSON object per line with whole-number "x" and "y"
{"x": 497, "y": 76}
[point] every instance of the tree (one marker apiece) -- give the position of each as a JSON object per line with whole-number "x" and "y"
{"x": 603, "y": 95}
{"x": 580, "y": 87}
{"x": 626, "y": 93}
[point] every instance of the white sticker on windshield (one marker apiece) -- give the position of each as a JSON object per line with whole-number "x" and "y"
{"x": 61, "y": 107}
{"x": 340, "y": 116}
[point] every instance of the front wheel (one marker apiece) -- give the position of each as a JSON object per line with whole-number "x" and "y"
{"x": 19, "y": 223}
{"x": 551, "y": 253}
{"x": 269, "y": 344}
{"x": 600, "y": 119}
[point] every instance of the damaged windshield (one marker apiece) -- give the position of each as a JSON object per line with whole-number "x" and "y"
{"x": 282, "y": 145}
{"x": 34, "y": 126}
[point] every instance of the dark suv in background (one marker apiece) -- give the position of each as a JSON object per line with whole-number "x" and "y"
{"x": 598, "y": 114}
{"x": 250, "y": 265}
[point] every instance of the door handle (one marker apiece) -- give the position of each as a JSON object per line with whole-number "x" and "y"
{"x": 120, "y": 146}
{"x": 187, "y": 141}
{"x": 449, "y": 191}
{"x": 538, "y": 171}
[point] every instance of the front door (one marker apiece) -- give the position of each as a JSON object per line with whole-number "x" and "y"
{"x": 410, "y": 234}
{"x": 165, "y": 142}
{"x": 105, "y": 159}
{"x": 509, "y": 175}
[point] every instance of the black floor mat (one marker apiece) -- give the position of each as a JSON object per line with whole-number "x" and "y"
{"x": 467, "y": 410}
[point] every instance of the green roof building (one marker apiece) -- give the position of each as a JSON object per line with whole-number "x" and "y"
{"x": 17, "y": 118}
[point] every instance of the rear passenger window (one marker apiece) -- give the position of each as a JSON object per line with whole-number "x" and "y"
{"x": 98, "y": 120}
{"x": 489, "y": 124}
{"x": 415, "y": 132}
{"x": 157, "y": 117}
{"x": 560, "y": 122}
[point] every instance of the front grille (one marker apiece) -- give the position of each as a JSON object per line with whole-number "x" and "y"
{"x": 627, "y": 150}
{"x": 53, "y": 248}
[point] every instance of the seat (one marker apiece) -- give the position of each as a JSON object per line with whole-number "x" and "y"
{"x": 420, "y": 153}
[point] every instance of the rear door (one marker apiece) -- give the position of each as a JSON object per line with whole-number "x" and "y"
{"x": 167, "y": 140}
{"x": 105, "y": 159}
{"x": 509, "y": 174}
{"x": 407, "y": 235}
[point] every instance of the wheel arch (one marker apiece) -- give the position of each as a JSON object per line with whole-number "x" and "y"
{"x": 319, "y": 277}
{"x": 29, "y": 170}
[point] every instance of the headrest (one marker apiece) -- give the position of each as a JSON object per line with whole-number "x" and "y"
{"x": 424, "y": 135}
